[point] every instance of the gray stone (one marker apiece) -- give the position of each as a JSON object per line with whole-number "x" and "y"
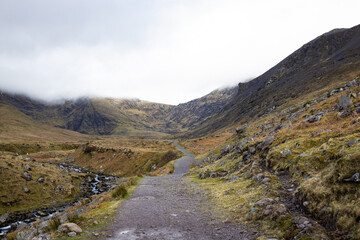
{"x": 285, "y": 153}
{"x": 357, "y": 110}
{"x": 71, "y": 234}
{"x": 27, "y": 176}
{"x": 26, "y": 235}
{"x": 306, "y": 203}
{"x": 40, "y": 180}
{"x": 344, "y": 102}
{"x": 303, "y": 155}
{"x": 313, "y": 118}
{"x": 4, "y": 217}
{"x": 26, "y": 190}
{"x": 234, "y": 178}
{"x": 355, "y": 178}
{"x": 345, "y": 113}
{"x": 27, "y": 167}
{"x": 352, "y": 142}
{"x": 265, "y": 143}
{"x": 252, "y": 150}
{"x": 265, "y": 180}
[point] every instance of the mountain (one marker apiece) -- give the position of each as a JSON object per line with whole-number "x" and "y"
{"x": 320, "y": 65}
{"x": 127, "y": 117}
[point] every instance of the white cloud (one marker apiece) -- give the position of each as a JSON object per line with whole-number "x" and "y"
{"x": 166, "y": 51}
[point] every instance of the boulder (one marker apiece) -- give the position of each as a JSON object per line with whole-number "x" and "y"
{"x": 352, "y": 142}
{"x": 344, "y": 102}
{"x": 27, "y": 167}
{"x": 27, "y": 176}
{"x": 265, "y": 143}
{"x": 69, "y": 227}
{"x": 355, "y": 178}
{"x": 40, "y": 180}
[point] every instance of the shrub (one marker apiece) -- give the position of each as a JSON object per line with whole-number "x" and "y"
{"x": 120, "y": 192}
{"x": 74, "y": 218}
{"x": 54, "y": 224}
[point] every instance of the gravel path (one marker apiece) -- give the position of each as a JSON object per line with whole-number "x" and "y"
{"x": 171, "y": 207}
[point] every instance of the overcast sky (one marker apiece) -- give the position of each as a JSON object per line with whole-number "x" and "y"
{"x": 165, "y": 51}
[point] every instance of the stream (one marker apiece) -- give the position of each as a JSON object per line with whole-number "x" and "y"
{"x": 94, "y": 184}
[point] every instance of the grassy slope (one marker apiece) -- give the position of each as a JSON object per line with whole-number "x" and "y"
{"x": 126, "y": 156}
{"x": 12, "y": 195}
{"x": 15, "y": 126}
{"x": 319, "y": 161}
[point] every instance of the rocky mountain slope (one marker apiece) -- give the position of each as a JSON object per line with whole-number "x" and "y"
{"x": 128, "y": 117}
{"x": 293, "y": 172}
{"x": 322, "y": 64}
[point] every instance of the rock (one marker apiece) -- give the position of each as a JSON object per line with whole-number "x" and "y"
{"x": 240, "y": 130}
{"x": 268, "y": 212}
{"x": 27, "y": 176}
{"x": 252, "y": 150}
{"x": 313, "y": 118}
{"x": 27, "y": 167}
{"x": 246, "y": 156}
{"x": 96, "y": 222}
{"x": 42, "y": 214}
{"x": 234, "y": 178}
{"x": 353, "y": 95}
{"x": 357, "y": 110}
{"x": 40, "y": 180}
{"x": 71, "y": 234}
{"x": 285, "y": 153}
{"x": 265, "y": 180}
{"x": 264, "y": 202}
{"x": 306, "y": 203}
{"x": 345, "y": 113}
{"x": 26, "y": 190}
{"x": 26, "y": 235}
{"x": 69, "y": 227}
{"x": 355, "y": 120}
{"x": 303, "y": 155}
{"x": 344, "y": 102}
{"x": 355, "y": 178}
{"x": 352, "y": 142}
{"x": 226, "y": 150}
{"x": 3, "y": 218}
{"x": 265, "y": 143}
{"x": 95, "y": 234}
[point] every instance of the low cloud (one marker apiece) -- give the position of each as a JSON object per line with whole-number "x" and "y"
{"x": 166, "y": 51}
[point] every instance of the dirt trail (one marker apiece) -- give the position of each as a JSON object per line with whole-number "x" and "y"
{"x": 171, "y": 207}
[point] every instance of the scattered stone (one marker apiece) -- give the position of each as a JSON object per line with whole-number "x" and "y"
{"x": 26, "y": 190}
{"x": 3, "y": 218}
{"x": 234, "y": 178}
{"x": 265, "y": 143}
{"x": 264, "y": 202}
{"x": 306, "y": 203}
{"x": 252, "y": 150}
{"x": 353, "y": 95}
{"x": 285, "y": 153}
{"x": 96, "y": 222}
{"x": 352, "y": 142}
{"x": 265, "y": 180}
{"x": 71, "y": 234}
{"x": 69, "y": 227}
{"x": 40, "y": 180}
{"x": 27, "y": 176}
{"x": 354, "y": 178}
{"x": 303, "y": 155}
{"x": 344, "y": 102}
{"x": 345, "y": 113}
{"x": 96, "y": 234}
{"x": 357, "y": 110}
{"x": 313, "y": 118}
{"x": 27, "y": 167}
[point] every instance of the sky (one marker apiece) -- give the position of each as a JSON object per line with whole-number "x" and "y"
{"x": 167, "y": 51}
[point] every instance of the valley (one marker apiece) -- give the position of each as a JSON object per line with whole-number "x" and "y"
{"x": 276, "y": 157}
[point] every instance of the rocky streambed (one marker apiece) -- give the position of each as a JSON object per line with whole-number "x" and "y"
{"x": 93, "y": 184}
